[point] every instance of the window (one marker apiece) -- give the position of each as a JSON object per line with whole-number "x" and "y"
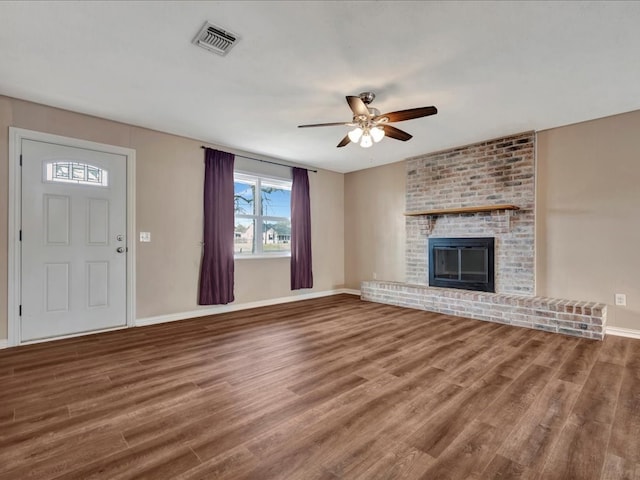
{"x": 78, "y": 173}
{"x": 262, "y": 215}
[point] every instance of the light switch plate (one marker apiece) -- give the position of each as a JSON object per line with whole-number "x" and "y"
{"x": 145, "y": 236}
{"x": 621, "y": 299}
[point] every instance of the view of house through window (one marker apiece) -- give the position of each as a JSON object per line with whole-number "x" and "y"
{"x": 262, "y": 215}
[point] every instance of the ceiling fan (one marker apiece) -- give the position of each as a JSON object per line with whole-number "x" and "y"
{"x": 370, "y": 125}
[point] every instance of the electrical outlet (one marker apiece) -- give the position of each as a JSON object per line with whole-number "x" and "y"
{"x": 145, "y": 236}
{"x": 621, "y": 299}
{"x": 375, "y": 275}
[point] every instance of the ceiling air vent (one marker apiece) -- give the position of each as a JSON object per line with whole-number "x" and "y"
{"x": 215, "y": 39}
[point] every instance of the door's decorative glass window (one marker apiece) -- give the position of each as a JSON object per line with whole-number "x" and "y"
{"x": 79, "y": 173}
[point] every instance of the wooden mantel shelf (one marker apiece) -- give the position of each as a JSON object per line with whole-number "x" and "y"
{"x": 457, "y": 210}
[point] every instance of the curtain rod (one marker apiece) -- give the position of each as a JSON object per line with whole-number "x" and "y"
{"x": 267, "y": 161}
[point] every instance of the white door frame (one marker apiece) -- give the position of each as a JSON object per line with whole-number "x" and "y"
{"x": 16, "y": 135}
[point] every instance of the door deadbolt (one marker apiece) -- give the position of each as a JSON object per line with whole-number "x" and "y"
{"x": 119, "y": 238}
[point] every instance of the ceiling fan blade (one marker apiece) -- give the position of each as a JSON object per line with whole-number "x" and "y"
{"x": 344, "y": 141}
{"x": 396, "y": 133}
{"x": 357, "y": 106}
{"x": 323, "y": 124}
{"x": 409, "y": 114}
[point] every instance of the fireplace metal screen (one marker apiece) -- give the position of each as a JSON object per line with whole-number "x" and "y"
{"x": 466, "y": 263}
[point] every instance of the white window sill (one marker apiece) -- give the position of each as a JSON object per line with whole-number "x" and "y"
{"x": 262, "y": 257}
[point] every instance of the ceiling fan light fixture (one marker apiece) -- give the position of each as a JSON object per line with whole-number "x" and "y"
{"x": 366, "y": 141}
{"x": 370, "y": 125}
{"x": 377, "y": 134}
{"x": 355, "y": 134}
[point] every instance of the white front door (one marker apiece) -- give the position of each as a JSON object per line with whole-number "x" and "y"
{"x": 73, "y": 255}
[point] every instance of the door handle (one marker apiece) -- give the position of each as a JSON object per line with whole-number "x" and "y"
{"x": 120, "y": 249}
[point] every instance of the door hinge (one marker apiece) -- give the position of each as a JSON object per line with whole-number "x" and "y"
{"x": 20, "y": 311}
{"x": 20, "y": 235}
{"x": 20, "y": 159}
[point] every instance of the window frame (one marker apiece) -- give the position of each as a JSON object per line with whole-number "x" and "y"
{"x": 258, "y": 179}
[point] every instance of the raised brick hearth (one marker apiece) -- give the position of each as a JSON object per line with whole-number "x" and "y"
{"x": 495, "y": 172}
{"x": 581, "y": 319}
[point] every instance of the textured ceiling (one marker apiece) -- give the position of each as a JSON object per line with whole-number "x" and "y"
{"x": 491, "y": 68}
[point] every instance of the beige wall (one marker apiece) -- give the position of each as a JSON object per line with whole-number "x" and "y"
{"x": 5, "y": 121}
{"x": 375, "y": 224}
{"x": 169, "y": 177}
{"x": 588, "y": 214}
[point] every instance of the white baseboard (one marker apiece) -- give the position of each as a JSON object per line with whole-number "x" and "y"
{"x": 350, "y": 291}
{"x": 172, "y": 317}
{"x": 4, "y": 343}
{"x": 623, "y": 332}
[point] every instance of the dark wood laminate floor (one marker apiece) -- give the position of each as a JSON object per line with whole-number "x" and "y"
{"x": 332, "y": 388}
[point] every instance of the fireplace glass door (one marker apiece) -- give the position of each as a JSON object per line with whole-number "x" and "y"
{"x": 465, "y": 263}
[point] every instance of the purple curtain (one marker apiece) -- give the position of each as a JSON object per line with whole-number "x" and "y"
{"x": 301, "y": 274}
{"x": 216, "y": 270}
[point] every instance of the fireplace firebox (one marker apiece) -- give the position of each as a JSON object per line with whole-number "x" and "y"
{"x": 466, "y": 263}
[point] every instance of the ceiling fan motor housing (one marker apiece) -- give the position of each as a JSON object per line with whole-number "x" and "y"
{"x": 367, "y": 97}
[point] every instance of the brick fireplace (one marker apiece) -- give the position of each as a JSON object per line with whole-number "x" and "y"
{"x": 494, "y": 172}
